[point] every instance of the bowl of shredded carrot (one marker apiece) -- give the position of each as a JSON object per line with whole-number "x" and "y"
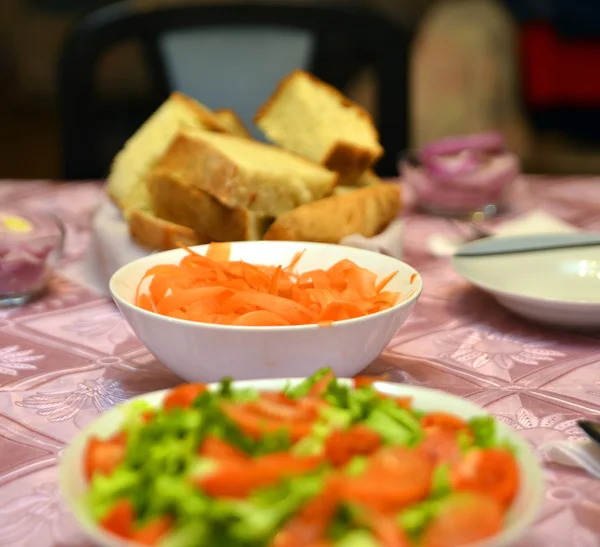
{"x": 265, "y": 309}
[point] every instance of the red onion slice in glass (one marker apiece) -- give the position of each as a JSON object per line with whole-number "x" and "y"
{"x": 490, "y": 142}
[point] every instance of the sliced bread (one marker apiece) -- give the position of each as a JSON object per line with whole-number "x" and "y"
{"x": 364, "y": 211}
{"x": 232, "y": 122}
{"x": 126, "y": 181}
{"x": 176, "y": 200}
{"x": 246, "y": 174}
{"x": 155, "y": 234}
{"x": 312, "y": 118}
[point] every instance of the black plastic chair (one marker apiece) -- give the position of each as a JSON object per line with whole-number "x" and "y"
{"x": 346, "y": 38}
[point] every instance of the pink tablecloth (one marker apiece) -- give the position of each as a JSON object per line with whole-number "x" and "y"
{"x": 69, "y": 356}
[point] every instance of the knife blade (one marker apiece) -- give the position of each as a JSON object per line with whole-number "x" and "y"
{"x": 497, "y": 245}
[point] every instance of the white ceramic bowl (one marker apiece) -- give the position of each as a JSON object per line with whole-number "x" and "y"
{"x": 524, "y": 510}
{"x": 204, "y": 352}
{"x": 558, "y": 287}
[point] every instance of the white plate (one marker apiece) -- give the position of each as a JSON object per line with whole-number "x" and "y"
{"x": 558, "y": 287}
{"x": 524, "y": 510}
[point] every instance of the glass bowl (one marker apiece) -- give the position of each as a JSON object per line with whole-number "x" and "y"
{"x": 459, "y": 180}
{"x": 30, "y": 245}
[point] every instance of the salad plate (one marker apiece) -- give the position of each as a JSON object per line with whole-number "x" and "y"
{"x": 89, "y": 501}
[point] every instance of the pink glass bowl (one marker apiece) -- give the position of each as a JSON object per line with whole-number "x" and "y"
{"x": 30, "y": 245}
{"x": 462, "y": 181}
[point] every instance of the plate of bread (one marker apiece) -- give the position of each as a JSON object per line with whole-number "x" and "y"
{"x": 191, "y": 176}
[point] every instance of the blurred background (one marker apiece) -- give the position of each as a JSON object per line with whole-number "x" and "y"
{"x": 526, "y": 67}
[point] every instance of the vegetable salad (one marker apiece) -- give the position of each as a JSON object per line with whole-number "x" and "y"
{"x": 320, "y": 464}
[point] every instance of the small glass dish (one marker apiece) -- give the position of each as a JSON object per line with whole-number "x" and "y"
{"x": 461, "y": 176}
{"x": 30, "y": 245}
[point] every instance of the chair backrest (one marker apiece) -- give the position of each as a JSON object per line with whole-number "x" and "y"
{"x": 230, "y": 56}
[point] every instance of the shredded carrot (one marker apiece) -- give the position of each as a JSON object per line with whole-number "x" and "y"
{"x": 219, "y": 252}
{"x": 212, "y": 288}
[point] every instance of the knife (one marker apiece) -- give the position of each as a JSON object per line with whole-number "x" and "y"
{"x": 591, "y": 429}
{"x": 497, "y": 245}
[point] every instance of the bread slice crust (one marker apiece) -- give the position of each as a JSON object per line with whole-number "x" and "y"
{"x": 156, "y": 234}
{"x": 365, "y": 211}
{"x": 343, "y": 155}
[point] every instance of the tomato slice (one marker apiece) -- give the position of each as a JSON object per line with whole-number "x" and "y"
{"x": 440, "y": 445}
{"x": 119, "y": 520}
{"x": 394, "y": 478}
{"x": 492, "y": 472}
{"x": 309, "y": 526}
{"x": 443, "y": 420}
{"x": 153, "y": 531}
{"x": 254, "y": 425}
{"x": 342, "y": 446}
{"x": 104, "y": 456}
{"x": 462, "y": 520}
{"x": 304, "y": 410}
{"x": 214, "y": 447}
{"x": 321, "y": 385}
{"x": 234, "y": 479}
{"x": 183, "y": 396}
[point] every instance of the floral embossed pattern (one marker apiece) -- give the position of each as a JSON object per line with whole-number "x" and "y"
{"x": 69, "y": 356}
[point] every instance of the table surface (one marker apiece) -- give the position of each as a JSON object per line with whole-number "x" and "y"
{"x": 69, "y": 356}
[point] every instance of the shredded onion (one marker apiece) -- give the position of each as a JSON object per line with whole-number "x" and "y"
{"x": 462, "y": 173}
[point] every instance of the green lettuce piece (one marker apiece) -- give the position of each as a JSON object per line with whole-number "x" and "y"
{"x": 301, "y": 390}
{"x": 346, "y": 520}
{"x": 106, "y": 490}
{"x": 413, "y": 520}
{"x": 391, "y": 430}
{"x": 356, "y": 466}
{"x": 484, "y": 431}
{"x": 192, "y": 534}
{"x": 357, "y": 538}
{"x": 441, "y": 485}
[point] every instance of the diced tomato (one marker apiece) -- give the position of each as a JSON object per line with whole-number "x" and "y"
{"x": 278, "y": 397}
{"x": 445, "y": 421}
{"x": 492, "y": 472}
{"x": 394, "y": 478}
{"x": 119, "y": 520}
{"x": 153, "y": 531}
{"x": 104, "y": 456}
{"x": 306, "y": 409}
{"x": 309, "y": 526}
{"x": 183, "y": 396}
{"x": 254, "y": 425}
{"x": 463, "y": 520}
{"x": 217, "y": 448}
{"x": 237, "y": 480}
{"x": 342, "y": 446}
